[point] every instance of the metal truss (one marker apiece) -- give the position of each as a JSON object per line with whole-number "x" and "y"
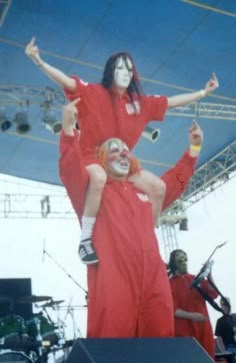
{"x": 169, "y": 239}
{"x": 21, "y": 94}
{"x": 33, "y": 206}
{"x": 173, "y": 216}
{"x": 4, "y": 7}
{"x": 28, "y": 96}
{"x": 209, "y": 177}
{"x": 205, "y": 110}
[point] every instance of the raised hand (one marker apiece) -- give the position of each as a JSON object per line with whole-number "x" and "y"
{"x": 212, "y": 84}
{"x": 195, "y": 134}
{"x": 198, "y": 317}
{"x": 32, "y": 52}
{"x": 69, "y": 116}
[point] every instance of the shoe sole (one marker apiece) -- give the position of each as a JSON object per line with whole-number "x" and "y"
{"x": 90, "y": 262}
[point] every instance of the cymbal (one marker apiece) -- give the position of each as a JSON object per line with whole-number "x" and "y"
{"x": 32, "y": 299}
{"x": 52, "y": 303}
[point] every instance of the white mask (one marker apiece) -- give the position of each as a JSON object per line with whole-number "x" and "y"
{"x": 118, "y": 158}
{"x": 123, "y": 73}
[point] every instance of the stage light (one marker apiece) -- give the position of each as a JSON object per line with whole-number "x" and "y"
{"x": 151, "y": 134}
{"x": 50, "y": 121}
{"x": 5, "y": 123}
{"x": 21, "y": 120}
{"x": 183, "y": 224}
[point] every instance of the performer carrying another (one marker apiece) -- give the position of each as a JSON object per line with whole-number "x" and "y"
{"x": 114, "y": 108}
{"x": 129, "y": 292}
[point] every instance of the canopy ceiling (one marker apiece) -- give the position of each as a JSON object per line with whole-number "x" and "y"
{"x": 176, "y": 45}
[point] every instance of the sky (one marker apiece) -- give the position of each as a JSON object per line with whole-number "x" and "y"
{"x": 45, "y": 249}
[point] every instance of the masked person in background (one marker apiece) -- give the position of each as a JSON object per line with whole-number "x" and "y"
{"x": 226, "y": 327}
{"x": 116, "y": 107}
{"x": 128, "y": 290}
{"x": 190, "y": 310}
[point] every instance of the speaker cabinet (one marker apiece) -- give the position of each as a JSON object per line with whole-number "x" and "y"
{"x": 10, "y": 291}
{"x": 150, "y": 350}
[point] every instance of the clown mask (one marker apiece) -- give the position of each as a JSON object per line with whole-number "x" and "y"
{"x": 123, "y": 73}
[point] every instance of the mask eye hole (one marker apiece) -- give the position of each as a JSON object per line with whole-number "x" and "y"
{"x": 114, "y": 150}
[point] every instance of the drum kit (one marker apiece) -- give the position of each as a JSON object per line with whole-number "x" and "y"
{"x": 32, "y": 340}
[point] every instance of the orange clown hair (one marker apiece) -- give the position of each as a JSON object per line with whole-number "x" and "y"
{"x": 103, "y": 160}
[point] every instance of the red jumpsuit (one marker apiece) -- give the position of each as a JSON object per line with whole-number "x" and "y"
{"x": 104, "y": 114}
{"x": 190, "y": 300}
{"x": 129, "y": 291}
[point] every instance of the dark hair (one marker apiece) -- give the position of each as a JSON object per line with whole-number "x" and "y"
{"x": 172, "y": 264}
{"x": 225, "y": 301}
{"x": 108, "y": 74}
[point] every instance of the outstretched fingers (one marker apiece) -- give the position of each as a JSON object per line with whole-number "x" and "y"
{"x": 195, "y": 133}
{"x": 214, "y": 81}
{"x": 31, "y": 43}
{"x": 214, "y": 76}
{"x": 71, "y": 108}
{"x": 194, "y": 126}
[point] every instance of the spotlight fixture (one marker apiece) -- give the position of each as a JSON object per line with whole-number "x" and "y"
{"x": 151, "y": 134}
{"x": 5, "y": 124}
{"x": 50, "y": 121}
{"x": 21, "y": 120}
{"x": 183, "y": 224}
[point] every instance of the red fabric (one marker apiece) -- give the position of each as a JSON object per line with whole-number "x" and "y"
{"x": 72, "y": 171}
{"x": 129, "y": 292}
{"x": 75, "y": 177}
{"x": 103, "y": 114}
{"x": 190, "y": 300}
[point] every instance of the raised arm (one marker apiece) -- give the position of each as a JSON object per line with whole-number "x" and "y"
{"x": 177, "y": 178}
{"x": 69, "y": 117}
{"x": 208, "y": 288}
{"x": 186, "y": 98}
{"x": 55, "y": 74}
{"x": 72, "y": 171}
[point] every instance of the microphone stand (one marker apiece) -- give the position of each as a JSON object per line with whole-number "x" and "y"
{"x": 64, "y": 270}
{"x": 85, "y": 350}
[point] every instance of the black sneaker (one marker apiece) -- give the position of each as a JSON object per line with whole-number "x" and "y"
{"x": 86, "y": 252}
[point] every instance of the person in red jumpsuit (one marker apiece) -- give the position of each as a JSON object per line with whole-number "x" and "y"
{"x": 191, "y": 315}
{"x": 114, "y": 108}
{"x": 128, "y": 290}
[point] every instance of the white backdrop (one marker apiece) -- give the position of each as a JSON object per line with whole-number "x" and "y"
{"x": 211, "y": 221}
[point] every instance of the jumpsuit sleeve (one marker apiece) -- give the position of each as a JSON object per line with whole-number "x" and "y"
{"x": 81, "y": 88}
{"x": 72, "y": 171}
{"x": 206, "y": 287}
{"x": 177, "y": 178}
{"x": 175, "y": 295}
{"x": 156, "y": 107}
